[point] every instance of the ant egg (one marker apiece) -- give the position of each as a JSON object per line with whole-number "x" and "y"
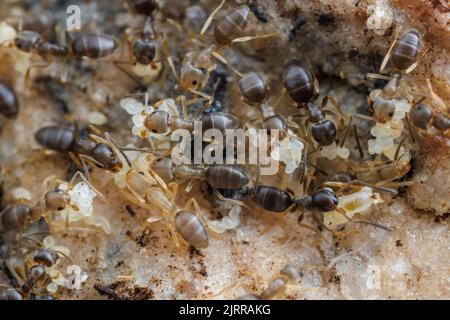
{"x": 7, "y": 33}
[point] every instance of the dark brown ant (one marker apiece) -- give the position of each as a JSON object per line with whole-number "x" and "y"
{"x": 143, "y": 46}
{"x": 35, "y": 274}
{"x": 300, "y": 82}
{"x": 162, "y": 122}
{"x": 323, "y": 199}
{"x": 423, "y": 115}
{"x": 9, "y": 104}
{"x": 404, "y": 52}
{"x": 219, "y": 176}
{"x": 89, "y": 45}
{"x": 143, "y": 7}
{"x": 230, "y": 28}
{"x": 92, "y": 149}
{"x": 197, "y": 65}
{"x": 14, "y": 217}
{"x": 81, "y": 45}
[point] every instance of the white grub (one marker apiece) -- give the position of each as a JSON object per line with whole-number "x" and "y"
{"x": 21, "y": 193}
{"x": 97, "y": 118}
{"x": 332, "y": 151}
{"x": 380, "y": 16}
{"x": 288, "y": 151}
{"x": 149, "y": 73}
{"x": 81, "y": 207}
{"x": 358, "y": 202}
{"x": 139, "y": 112}
{"x": 228, "y": 222}
{"x": 99, "y": 95}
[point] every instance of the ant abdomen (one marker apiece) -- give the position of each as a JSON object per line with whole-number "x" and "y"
{"x": 191, "y": 229}
{"x": 55, "y": 138}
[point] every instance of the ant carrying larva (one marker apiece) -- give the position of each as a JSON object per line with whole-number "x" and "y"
{"x": 144, "y": 45}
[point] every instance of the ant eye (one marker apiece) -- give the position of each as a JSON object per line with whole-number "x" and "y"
{"x": 194, "y": 82}
{"x": 390, "y": 114}
{"x": 154, "y": 131}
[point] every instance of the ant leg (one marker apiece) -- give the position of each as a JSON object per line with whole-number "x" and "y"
{"x": 229, "y": 200}
{"x": 249, "y": 38}
{"x": 193, "y": 204}
{"x": 373, "y": 224}
{"x": 205, "y": 80}
{"x": 307, "y": 226}
{"x": 397, "y": 152}
{"x": 347, "y": 130}
{"x": 396, "y": 184}
{"x": 362, "y": 116}
{"x": 222, "y": 59}
{"x": 377, "y": 76}
{"x": 161, "y": 182}
{"x": 414, "y": 65}
{"x": 133, "y": 197}
{"x": 333, "y": 232}
{"x": 83, "y": 178}
{"x": 209, "y": 102}
{"x": 138, "y": 149}
{"x": 85, "y": 169}
{"x": 39, "y": 65}
{"x": 437, "y": 101}
{"x": 280, "y": 96}
{"x": 92, "y": 160}
{"x": 116, "y": 147}
{"x": 376, "y": 187}
{"x": 358, "y": 143}
{"x": 333, "y": 102}
{"x": 203, "y": 95}
{"x": 211, "y": 17}
{"x": 172, "y": 68}
{"x": 182, "y": 100}
{"x": 388, "y": 54}
{"x": 119, "y": 63}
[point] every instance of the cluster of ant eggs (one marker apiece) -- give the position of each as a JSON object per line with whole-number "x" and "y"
{"x": 288, "y": 151}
